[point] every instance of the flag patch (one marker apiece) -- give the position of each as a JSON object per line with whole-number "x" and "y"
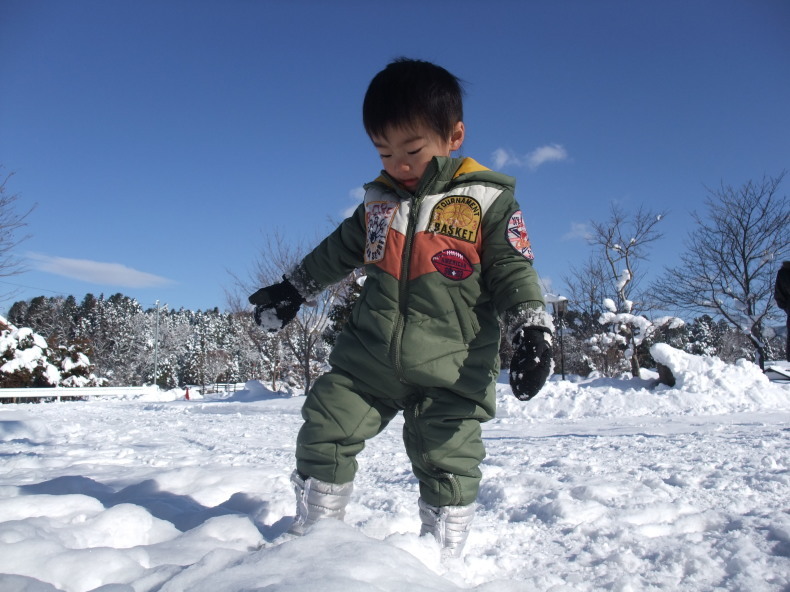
{"x": 517, "y": 235}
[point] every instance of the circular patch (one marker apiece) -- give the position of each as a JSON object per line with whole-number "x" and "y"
{"x": 452, "y": 264}
{"x": 457, "y": 216}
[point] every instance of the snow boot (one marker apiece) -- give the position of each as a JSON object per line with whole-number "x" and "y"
{"x": 449, "y": 525}
{"x": 316, "y": 500}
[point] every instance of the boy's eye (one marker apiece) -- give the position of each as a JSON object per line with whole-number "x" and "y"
{"x": 413, "y": 152}
{"x": 385, "y": 155}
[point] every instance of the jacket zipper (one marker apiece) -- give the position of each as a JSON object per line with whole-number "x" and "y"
{"x": 403, "y": 283}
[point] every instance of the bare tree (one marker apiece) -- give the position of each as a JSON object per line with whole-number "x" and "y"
{"x": 587, "y": 286}
{"x": 11, "y": 222}
{"x": 728, "y": 266}
{"x": 303, "y": 338}
{"x": 587, "y": 290}
{"x": 622, "y": 242}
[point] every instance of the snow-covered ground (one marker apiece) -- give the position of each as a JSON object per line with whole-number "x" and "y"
{"x": 598, "y": 484}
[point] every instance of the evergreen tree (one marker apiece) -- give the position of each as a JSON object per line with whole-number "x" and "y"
{"x": 25, "y": 358}
{"x": 116, "y": 328}
{"x": 704, "y": 337}
{"x": 75, "y": 367}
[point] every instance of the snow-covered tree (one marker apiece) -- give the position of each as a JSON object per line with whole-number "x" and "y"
{"x": 75, "y": 368}
{"x": 129, "y": 345}
{"x": 621, "y": 245}
{"x": 117, "y": 331}
{"x": 704, "y": 336}
{"x": 25, "y": 358}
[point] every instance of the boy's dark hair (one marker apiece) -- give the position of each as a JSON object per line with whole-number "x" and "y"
{"x": 412, "y": 92}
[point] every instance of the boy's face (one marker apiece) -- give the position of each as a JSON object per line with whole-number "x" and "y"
{"x": 406, "y": 151}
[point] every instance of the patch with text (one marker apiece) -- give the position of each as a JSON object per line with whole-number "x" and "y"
{"x": 517, "y": 235}
{"x": 457, "y": 216}
{"x": 452, "y": 264}
{"x": 378, "y": 217}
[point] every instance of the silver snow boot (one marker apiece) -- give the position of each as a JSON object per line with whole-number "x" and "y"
{"x": 449, "y": 525}
{"x": 316, "y": 500}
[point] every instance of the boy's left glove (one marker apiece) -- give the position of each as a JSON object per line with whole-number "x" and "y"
{"x": 276, "y": 305}
{"x": 531, "y": 362}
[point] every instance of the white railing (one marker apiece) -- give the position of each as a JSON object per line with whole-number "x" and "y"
{"x": 222, "y": 387}
{"x": 58, "y": 392}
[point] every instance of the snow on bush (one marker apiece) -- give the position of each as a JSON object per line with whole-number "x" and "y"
{"x": 76, "y": 368}
{"x": 24, "y": 358}
{"x": 27, "y": 361}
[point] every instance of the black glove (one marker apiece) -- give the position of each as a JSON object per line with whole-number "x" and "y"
{"x": 531, "y": 362}
{"x": 276, "y": 305}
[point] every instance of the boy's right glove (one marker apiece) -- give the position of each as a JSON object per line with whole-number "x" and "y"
{"x": 531, "y": 362}
{"x": 276, "y": 305}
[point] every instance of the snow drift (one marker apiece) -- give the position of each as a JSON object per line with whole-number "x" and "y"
{"x": 597, "y": 484}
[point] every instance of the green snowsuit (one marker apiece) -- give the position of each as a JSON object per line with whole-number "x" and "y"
{"x": 441, "y": 266}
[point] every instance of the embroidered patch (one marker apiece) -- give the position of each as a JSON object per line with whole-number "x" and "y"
{"x": 517, "y": 235}
{"x": 452, "y": 264}
{"x": 457, "y": 216}
{"x": 378, "y": 217}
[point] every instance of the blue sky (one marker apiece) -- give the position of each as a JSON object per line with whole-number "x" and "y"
{"x": 163, "y": 141}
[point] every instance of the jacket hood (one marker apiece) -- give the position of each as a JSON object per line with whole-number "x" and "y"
{"x": 447, "y": 171}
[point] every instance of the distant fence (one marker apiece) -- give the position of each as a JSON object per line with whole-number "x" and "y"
{"x": 222, "y": 387}
{"x": 59, "y": 392}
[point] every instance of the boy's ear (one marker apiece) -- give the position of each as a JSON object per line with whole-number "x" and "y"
{"x": 457, "y": 136}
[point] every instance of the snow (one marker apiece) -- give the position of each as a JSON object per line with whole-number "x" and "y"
{"x": 596, "y": 484}
{"x": 27, "y": 352}
{"x": 30, "y": 357}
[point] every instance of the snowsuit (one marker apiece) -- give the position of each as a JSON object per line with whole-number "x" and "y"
{"x": 782, "y": 296}
{"x": 441, "y": 266}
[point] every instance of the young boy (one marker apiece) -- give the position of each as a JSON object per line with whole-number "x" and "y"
{"x": 446, "y": 252}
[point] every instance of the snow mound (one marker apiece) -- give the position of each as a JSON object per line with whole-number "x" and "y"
{"x": 329, "y": 548}
{"x": 703, "y": 385}
{"x": 740, "y": 386}
{"x": 254, "y": 390}
{"x": 699, "y": 374}
{"x": 596, "y": 484}
{"x": 18, "y": 425}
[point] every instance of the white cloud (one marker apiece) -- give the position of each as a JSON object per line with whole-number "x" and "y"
{"x": 578, "y": 230}
{"x": 502, "y": 158}
{"x": 538, "y": 157}
{"x": 357, "y": 194}
{"x": 545, "y": 154}
{"x": 96, "y": 272}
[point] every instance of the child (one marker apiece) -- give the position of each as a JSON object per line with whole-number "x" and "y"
{"x": 782, "y": 297}
{"x": 446, "y": 252}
